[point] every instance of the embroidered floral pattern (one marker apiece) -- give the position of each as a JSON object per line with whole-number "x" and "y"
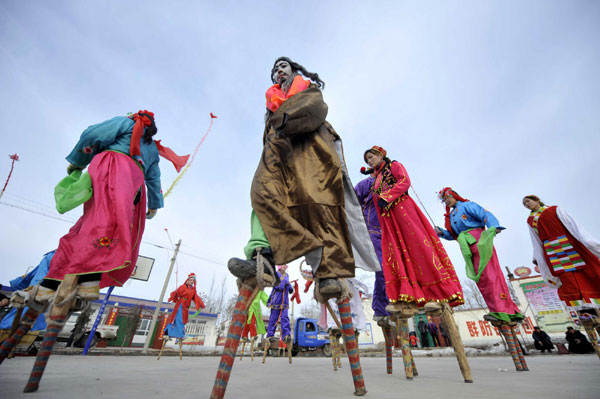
{"x": 105, "y": 242}
{"x": 503, "y": 296}
{"x": 88, "y": 150}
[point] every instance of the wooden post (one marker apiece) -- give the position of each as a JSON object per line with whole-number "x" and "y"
{"x": 55, "y": 321}
{"x": 456, "y": 342}
{"x": 23, "y": 328}
{"x": 513, "y": 331}
{"x": 351, "y": 347}
{"x": 239, "y": 317}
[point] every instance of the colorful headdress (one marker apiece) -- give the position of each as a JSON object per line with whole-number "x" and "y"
{"x": 375, "y": 149}
{"x": 448, "y": 192}
{"x": 445, "y": 193}
{"x": 145, "y": 118}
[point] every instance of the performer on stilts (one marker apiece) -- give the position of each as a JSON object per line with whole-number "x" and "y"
{"x": 183, "y": 297}
{"x": 568, "y": 258}
{"x": 303, "y": 200}
{"x": 475, "y": 229}
{"x": 101, "y": 249}
{"x": 417, "y": 269}
{"x": 279, "y": 304}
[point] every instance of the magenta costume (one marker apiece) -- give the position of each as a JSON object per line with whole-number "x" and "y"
{"x": 107, "y": 237}
{"x": 365, "y": 198}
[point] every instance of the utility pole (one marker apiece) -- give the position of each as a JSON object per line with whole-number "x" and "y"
{"x": 160, "y": 300}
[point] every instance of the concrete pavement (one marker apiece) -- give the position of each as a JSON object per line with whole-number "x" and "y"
{"x": 133, "y": 377}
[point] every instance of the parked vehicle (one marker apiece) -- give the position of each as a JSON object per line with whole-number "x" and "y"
{"x": 308, "y": 336}
{"x": 103, "y": 331}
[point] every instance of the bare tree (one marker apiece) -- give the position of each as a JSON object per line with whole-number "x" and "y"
{"x": 215, "y": 298}
{"x": 473, "y": 298}
{"x": 311, "y": 310}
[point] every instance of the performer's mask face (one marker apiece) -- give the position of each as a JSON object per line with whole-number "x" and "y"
{"x": 281, "y": 72}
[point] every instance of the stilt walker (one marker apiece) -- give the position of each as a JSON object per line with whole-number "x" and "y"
{"x": 101, "y": 249}
{"x": 568, "y": 258}
{"x": 183, "y": 297}
{"x": 279, "y": 303}
{"x": 254, "y": 326}
{"x": 417, "y": 269}
{"x": 295, "y": 214}
{"x": 474, "y": 228}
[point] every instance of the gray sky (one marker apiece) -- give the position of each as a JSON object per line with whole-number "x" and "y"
{"x": 497, "y": 99}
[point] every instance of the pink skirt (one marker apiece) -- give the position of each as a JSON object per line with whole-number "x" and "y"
{"x": 106, "y": 239}
{"x": 492, "y": 283}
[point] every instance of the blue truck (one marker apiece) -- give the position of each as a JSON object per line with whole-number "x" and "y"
{"x": 308, "y": 336}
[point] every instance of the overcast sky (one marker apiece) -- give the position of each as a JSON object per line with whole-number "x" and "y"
{"x": 497, "y": 99}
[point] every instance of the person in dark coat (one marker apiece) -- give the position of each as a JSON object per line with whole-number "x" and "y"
{"x": 541, "y": 340}
{"x": 423, "y": 328}
{"x": 578, "y": 343}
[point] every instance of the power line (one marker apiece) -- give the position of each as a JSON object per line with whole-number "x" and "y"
{"x": 64, "y": 219}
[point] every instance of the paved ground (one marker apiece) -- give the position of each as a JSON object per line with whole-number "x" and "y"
{"x": 133, "y": 377}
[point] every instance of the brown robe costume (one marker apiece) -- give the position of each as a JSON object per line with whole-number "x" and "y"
{"x": 298, "y": 190}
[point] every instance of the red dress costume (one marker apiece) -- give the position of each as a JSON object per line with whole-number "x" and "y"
{"x": 415, "y": 264}
{"x": 183, "y": 296}
{"x": 566, "y": 257}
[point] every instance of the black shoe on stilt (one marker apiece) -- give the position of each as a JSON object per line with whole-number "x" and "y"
{"x": 246, "y": 269}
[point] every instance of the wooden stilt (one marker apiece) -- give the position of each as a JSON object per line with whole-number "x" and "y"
{"x": 162, "y": 348}
{"x": 505, "y": 330}
{"x": 513, "y": 331}
{"x": 266, "y": 345}
{"x": 243, "y": 346}
{"x": 588, "y": 323}
{"x": 457, "y": 343}
{"x": 289, "y": 345}
{"x": 402, "y": 324}
{"x": 252, "y": 341}
{"x": 240, "y": 315}
{"x": 351, "y": 347}
{"x": 389, "y": 345}
{"x": 22, "y": 328}
{"x": 180, "y": 345}
{"x": 55, "y": 320}
{"x": 334, "y": 349}
{"x": 339, "y": 349}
